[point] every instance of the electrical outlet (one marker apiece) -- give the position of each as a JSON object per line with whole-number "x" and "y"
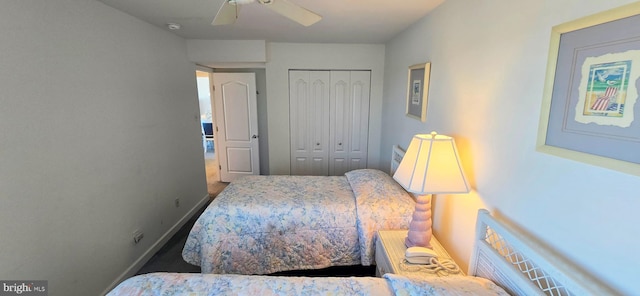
{"x": 177, "y": 202}
{"x": 137, "y": 236}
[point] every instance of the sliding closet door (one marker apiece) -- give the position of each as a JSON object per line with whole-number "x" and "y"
{"x": 309, "y": 122}
{"x": 349, "y": 120}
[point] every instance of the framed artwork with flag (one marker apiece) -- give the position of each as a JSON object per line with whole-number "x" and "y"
{"x": 590, "y": 110}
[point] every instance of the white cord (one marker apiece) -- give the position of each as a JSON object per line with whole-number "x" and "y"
{"x": 446, "y": 267}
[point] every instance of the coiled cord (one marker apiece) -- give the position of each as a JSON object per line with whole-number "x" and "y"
{"x": 435, "y": 266}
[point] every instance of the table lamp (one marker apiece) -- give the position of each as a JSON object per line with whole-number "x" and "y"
{"x": 430, "y": 166}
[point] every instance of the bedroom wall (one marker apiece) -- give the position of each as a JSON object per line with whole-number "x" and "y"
{"x": 284, "y": 56}
{"x": 99, "y": 133}
{"x": 488, "y": 69}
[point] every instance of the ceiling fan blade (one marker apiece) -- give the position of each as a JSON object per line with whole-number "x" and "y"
{"x": 227, "y": 14}
{"x": 292, "y": 11}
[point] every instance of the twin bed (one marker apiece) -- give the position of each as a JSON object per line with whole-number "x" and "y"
{"x": 504, "y": 262}
{"x": 265, "y": 224}
{"x": 217, "y": 284}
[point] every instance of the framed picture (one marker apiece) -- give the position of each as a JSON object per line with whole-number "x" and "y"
{"x": 589, "y": 111}
{"x": 418, "y": 91}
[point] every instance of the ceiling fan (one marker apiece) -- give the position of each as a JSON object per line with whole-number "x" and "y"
{"x": 228, "y": 13}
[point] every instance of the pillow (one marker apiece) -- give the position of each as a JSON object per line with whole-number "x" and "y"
{"x": 376, "y": 184}
{"x": 381, "y": 203}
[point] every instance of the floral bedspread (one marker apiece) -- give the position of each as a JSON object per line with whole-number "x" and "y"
{"x": 458, "y": 285}
{"x": 266, "y": 224}
{"x": 231, "y": 284}
{"x": 217, "y": 284}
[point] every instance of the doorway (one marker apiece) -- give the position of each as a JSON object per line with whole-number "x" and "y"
{"x": 214, "y": 186}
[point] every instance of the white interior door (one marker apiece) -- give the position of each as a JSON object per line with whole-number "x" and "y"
{"x": 236, "y": 119}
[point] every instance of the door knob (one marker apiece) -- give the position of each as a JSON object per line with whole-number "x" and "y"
{"x": 255, "y": 136}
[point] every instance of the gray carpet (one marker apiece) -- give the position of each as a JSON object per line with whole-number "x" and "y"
{"x": 169, "y": 257}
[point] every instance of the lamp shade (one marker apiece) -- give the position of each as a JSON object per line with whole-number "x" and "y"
{"x": 431, "y": 165}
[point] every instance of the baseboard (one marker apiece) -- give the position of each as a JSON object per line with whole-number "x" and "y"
{"x": 156, "y": 246}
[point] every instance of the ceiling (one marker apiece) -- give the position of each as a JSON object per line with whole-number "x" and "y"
{"x": 344, "y": 21}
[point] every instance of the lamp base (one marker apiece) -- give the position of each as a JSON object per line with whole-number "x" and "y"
{"x": 420, "y": 227}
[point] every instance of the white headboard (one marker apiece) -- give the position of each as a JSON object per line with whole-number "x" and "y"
{"x": 397, "y": 154}
{"x": 522, "y": 266}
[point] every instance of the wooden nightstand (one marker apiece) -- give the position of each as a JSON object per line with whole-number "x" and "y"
{"x": 390, "y": 250}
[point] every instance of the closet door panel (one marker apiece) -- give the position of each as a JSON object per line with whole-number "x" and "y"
{"x": 339, "y": 166}
{"x": 360, "y": 88}
{"x": 309, "y": 131}
{"x": 340, "y": 113}
{"x": 299, "y": 164}
{"x": 318, "y": 121}
{"x": 357, "y": 163}
{"x": 298, "y": 93}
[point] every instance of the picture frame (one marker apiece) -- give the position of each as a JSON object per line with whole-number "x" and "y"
{"x": 418, "y": 91}
{"x": 589, "y": 109}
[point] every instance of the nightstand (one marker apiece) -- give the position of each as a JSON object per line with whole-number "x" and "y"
{"x": 390, "y": 250}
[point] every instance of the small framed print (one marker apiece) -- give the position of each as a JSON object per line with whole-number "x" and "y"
{"x": 418, "y": 91}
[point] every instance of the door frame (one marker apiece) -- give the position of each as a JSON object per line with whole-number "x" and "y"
{"x": 209, "y": 71}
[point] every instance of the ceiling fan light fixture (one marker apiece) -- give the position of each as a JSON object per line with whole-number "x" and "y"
{"x": 228, "y": 12}
{"x": 241, "y": 2}
{"x": 173, "y": 26}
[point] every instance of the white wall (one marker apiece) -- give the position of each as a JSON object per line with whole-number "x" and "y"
{"x": 216, "y": 52}
{"x": 99, "y": 133}
{"x": 284, "y": 56}
{"x": 488, "y": 69}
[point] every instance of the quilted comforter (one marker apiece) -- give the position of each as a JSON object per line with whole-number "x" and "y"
{"x": 266, "y": 224}
{"x": 216, "y": 284}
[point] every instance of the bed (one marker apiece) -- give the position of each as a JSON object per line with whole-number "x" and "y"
{"x": 297, "y": 222}
{"x": 504, "y": 260}
{"x": 215, "y": 284}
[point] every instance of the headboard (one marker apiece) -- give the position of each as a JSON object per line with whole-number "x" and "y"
{"x": 522, "y": 266}
{"x": 397, "y": 154}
